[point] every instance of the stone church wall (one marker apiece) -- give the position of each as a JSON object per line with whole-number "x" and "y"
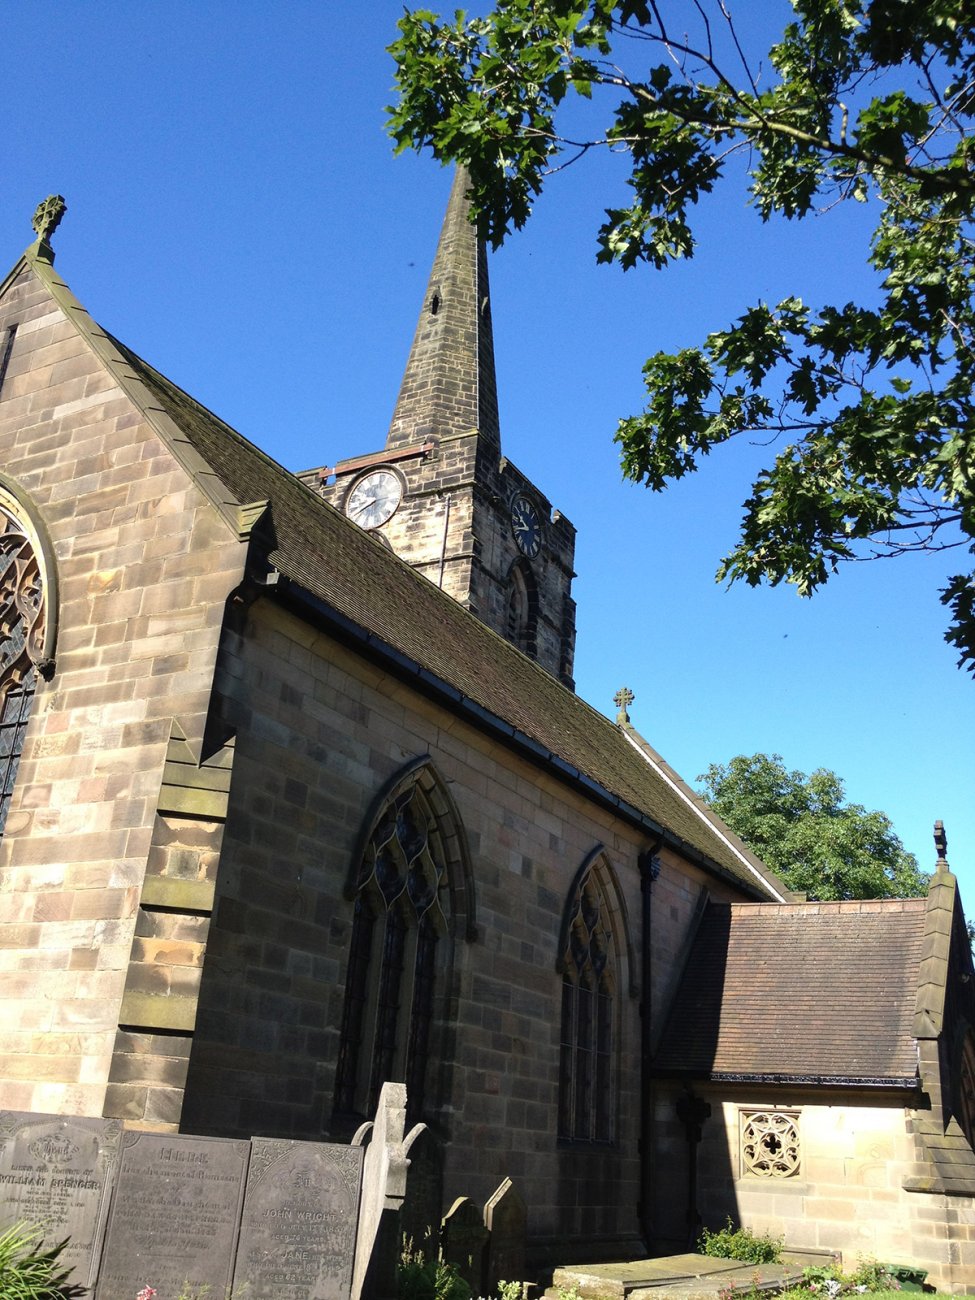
{"x": 318, "y": 732}
{"x": 846, "y": 1197}
{"x": 144, "y": 567}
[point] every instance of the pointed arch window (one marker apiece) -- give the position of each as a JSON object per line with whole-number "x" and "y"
{"x": 590, "y": 964}
{"x": 521, "y": 616}
{"x": 411, "y": 886}
{"x": 23, "y": 642}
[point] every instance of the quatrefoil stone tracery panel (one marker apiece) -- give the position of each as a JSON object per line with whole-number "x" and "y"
{"x": 769, "y": 1144}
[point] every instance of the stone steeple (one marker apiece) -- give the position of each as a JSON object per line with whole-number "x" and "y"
{"x": 449, "y": 386}
{"x": 440, "y": 493}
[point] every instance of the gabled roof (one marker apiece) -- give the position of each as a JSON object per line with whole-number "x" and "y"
{"x": 801, "y": 992}
{"x": 329, "y": 556}
{"x": 367, "y": 588}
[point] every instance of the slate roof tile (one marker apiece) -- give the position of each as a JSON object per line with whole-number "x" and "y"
{"x": 329, "y": 556}
{"x": 811, "y": 991}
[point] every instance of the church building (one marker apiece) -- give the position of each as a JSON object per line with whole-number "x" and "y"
{"x": 298, "y": 798}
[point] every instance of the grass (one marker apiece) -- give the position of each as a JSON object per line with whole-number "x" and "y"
{"x": 802, "y": 1293}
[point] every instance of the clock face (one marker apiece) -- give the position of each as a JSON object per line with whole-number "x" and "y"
{"x": 526, "y": 526}
{"x": 374, "y": 498}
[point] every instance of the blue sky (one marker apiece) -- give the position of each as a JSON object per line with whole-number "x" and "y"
{"x": 236, "y": 216}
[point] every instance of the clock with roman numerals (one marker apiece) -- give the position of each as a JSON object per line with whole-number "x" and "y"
{"x": 375, "y": 498}
{"x": 526, "y": 526}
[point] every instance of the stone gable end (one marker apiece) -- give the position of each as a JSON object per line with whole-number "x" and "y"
{"x": 145, "y": 565}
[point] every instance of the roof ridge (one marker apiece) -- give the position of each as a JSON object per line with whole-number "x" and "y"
{"x": 815, "y": 906}
{"x": 738, "y": 847}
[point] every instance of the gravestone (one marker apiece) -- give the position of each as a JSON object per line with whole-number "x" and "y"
{"x": 462, "y": 1240}
{"x": 506, "y": 1220}
{"x": 298, "y": 1232}
{"x": 422, "y": 1204}
{"x": 56, "y": 1171}
{"x": 174, "y": 1215}
{"x": 383, "y": 1189}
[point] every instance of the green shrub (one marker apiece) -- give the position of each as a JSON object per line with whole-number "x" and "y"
{"x": 829, "y": 1282}
{"x": 729, "y": 1243}
{"x": 28, "y": 1271}
{"x": 419, "y": 1277}
{"x": 513, "y": 1290}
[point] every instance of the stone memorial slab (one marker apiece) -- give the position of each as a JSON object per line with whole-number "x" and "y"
{"x": 506, "y": 1219}
{"x": 174, "y": 1216}
{"x": 462, "y": 1240}
{"x": 57, "y": 1171}
{"x": 297, "y": 1236}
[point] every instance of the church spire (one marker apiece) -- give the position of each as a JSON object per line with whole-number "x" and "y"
{"x": 449, "y": 387}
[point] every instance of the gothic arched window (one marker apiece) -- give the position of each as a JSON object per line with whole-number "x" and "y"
{"x": 412, "y": 881}
{"x": 521, "y": 619}
{"x": 23, "y": 644}
{"x": 590, "y": 964}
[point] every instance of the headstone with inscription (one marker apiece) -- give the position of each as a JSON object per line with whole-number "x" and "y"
{"x": 56, "y": 1171}
{"x": 462, "y": 1240}
{"x": 298, "y": 1233}
{"x": 175, "y": 1215}
{"x": 506, "y": 1219}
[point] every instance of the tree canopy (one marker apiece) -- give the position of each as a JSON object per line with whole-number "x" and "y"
{"x": 869, "y": 405}
{"x": 803, "y": 829}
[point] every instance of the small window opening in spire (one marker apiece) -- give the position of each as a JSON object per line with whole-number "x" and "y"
{"x": 435, "y": 303}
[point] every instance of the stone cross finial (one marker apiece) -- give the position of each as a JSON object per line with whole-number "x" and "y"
{"x": 47, "y": 218}
{"x": 623, "y": 698}
{"x": 941, "y": 844}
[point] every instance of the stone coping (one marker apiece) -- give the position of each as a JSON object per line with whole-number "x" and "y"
{"x": 686, "y": 1276}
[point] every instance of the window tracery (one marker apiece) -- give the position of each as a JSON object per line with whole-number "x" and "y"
{"x": 770, "y": 1143}
{"x": 400, "y": 945}
{"x": 590, "y": 980}
{"x": 22, "y": 642}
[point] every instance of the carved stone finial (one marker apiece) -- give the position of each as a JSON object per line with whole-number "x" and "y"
{"x": 941, "y": 844}
{"x": 623, "y": 698}
{"x": 46, "y": 220}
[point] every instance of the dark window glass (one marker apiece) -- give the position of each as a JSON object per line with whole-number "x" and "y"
{"x": 391, "y": 979}
{"x": 586, "y": 1082}
{"x": 354, "y": 1013}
